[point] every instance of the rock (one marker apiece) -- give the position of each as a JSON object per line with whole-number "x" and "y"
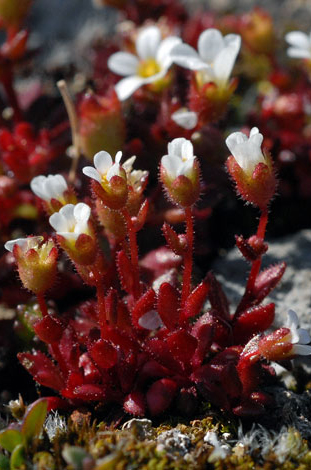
{"x": 174, "y": 443}
{"x": 141, "y": 427}
{"x": 294, "y": 290}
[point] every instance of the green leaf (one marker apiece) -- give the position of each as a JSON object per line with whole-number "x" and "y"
{"x": 74, "y": 456}
{"x": 34, "y": 419}
{"x": 17, "y": 458}
{"x": 10, "y": 438}
{"x": 4, "y": 462}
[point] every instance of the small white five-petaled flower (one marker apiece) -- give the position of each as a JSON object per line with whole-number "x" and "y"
{"x": 180, "y": 158}
{"x": 246, "y": 150}
{"x": 299, "y": 337}
{"x": 215, "y": 58}
{"x": 49, "y": 187}
{"x": 185, "y": 118}
{"x": 151, "y": 63}
{"x": 300, "y": 45}
{"x": 71, "y": 221}
{"x": 104, "y": 169}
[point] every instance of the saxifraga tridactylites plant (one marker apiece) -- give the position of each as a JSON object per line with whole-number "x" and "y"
{"x": 144, "y": 345}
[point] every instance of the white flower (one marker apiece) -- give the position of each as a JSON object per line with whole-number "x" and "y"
{"x": 300, "y": 45}
{"x": 151, "y": 63}
{"x": 25, "y": 243}
{"x": 215, "y": 58}
{"x": 49, "y": 187}
{"x": 71, "y": 221}
{"x": 246, "y": 150}
{"x": 185, "y": 118}
{"x": 299, "y": 337}
{"x": 104, "y": 169}
{"x": 180, "y": 158}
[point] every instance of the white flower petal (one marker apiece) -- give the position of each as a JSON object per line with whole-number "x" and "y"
{"x": 82, "y": 212}
{"x": 147, "y": 42}
{"x": 234, "y": 139}
{"x": 301, "y": 349}
{"x": 210, "y": 44}
{"x": 37, "y": 186}
{"x": 102, "y": 162}
{"x": 92, "y": 173}
{"x": 126, "y": 87}
{"x": 292, "y": 319}
{"x": 298, "y": 39}
{"x": 55, "y": 186}
{"x": 118, "y": 157}
{"x": 304, "y": 337}
{"x": 254, "y": 131}
{"x": 224, "y": 63}
{"x": 128, "y": 164}
{"x": 185, "y": 168}
{"x": 9, "y": 245}
{"x": 63, "y": 221}
{"x": 163, "y": 55}
{"x": 113, "y": 171}
{"x": 296, "y": 53}
{"x": 187, "y": 57}
{"x": 123, "y": 63}
{"x": 171, "y": 165}
{"x": 150, "y": 320}
{"x": 233, "y": 40}
{"x": 187, "y": 150}
{"x": 175, "y": 147}
{"x": 185, "y": 119}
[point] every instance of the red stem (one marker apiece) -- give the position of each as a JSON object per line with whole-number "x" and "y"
{"x": 133, "y": 251}
{"x": 42, "y": 304}
{"x": 7, "y": 83}
{"x": 101, "y": 304}
{"x": 263, "y": 220}
{"x": 186, "y": 287}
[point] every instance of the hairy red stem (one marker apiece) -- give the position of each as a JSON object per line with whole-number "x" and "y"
{"x": 263, "y": 220}
{"x": 133, "y": 251}
{"x": 186, "y": 287}
{"x": 42, "y": 304}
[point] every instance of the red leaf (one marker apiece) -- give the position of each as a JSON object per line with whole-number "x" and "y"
{"x": 176, "y": 243}
{"x": 182, "y": 345}
{"x": 160, "y": 395}
{"x": 42, "y": 369}
{"x": 111, "y": 304}
{"x": 125, "y": 272}
{"x": 103, "y": 353}
{"x": 168, "y": 305}
{"x": 140, "y": 219}
{"x": 253, "y": 321}
{"x": 49, "y": 328}
{"x": 90, "y": 392}
{"x": 162, "y": 352}
{"x": 196, "y": 299}
{"x": 267, "y": 280}
{"x": 135, "y": 404}
{"x": 217, "y": 297}
{"x": 143, "y": 305}
{"x": 203, "y": 331}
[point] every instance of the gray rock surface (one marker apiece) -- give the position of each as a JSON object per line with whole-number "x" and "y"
{"x": 293, "y": 292}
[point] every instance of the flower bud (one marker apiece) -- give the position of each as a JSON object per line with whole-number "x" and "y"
{"x": 108, "y": 179}
{"x": 53, "y": 191}
{"x": 256, "y": 28}
{"x": 251, "y": 170}
{"x": 36, "y": 261}
{"x": 285, "y": 343}
{"x": 101, "y": 125}
{"x": 180, "y": 173}
{"x": 75, "y": 233}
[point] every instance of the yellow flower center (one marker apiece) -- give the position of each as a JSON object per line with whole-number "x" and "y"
{"x": 147, "y": 68}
